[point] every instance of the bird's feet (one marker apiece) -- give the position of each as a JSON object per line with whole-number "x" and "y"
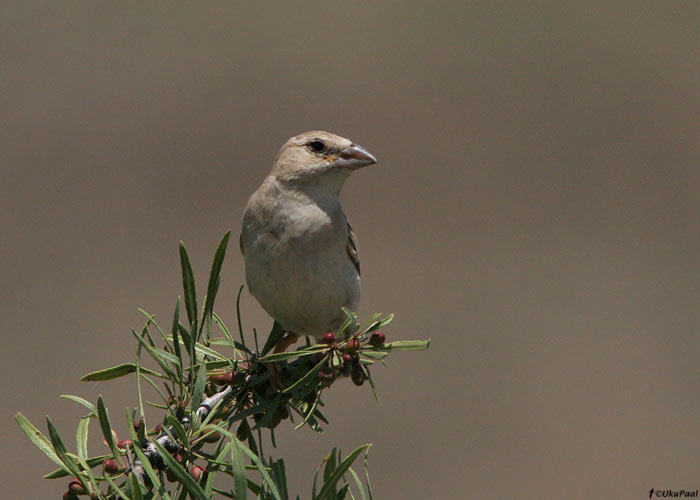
{"x": 287, "y": 341}
{"x": 275, "y": 367}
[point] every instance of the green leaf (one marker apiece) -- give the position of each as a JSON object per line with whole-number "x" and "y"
{"x": 406, "y": 345}
{"x": 256, "y": 461}
{"x": 276, "y": 335}
{"x": 280, "y": 356}
{"x": 91, "y": 462}
{"x": 241, "y": 482}
{"x": 213, "y": 285}
{"x": 176, "y": 338}
{"x": 309, "y": 374}
{"x": 81, "y": 437}
{"x": 115, "y": 372}
{"x": 103, "y": 416}
{"x": 188, "y": 286}
{"x": 39, "y": 440}
{"x": 199, "y": 384}
{"x": 145, "y": 463}
{"x": 160, "y": 356}
{"x": 134, "y": 487}
{"x": 117, "y": 489}
{"x": 350, "y": 319}
{"x": 333, "y": 478}
{"x": 358, "y": 483}
{"x": 87, "y": 404}
{"x": 62, "y": 452}
{"x": 181, "y": 474}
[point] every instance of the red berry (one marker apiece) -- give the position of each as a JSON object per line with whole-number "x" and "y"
{"x": 222, "y": 378}
{"x": 123, "y": 444}
{"x": 69, "y": 495}
{"x": 352, "y": 345}
{"x": 196, "y": 472}
{"x": 377, "y": 339}
{"x": 111, "y": 466}
{"x": 328, "y": 338}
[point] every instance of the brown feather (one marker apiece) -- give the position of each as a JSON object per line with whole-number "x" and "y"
{"x": 352, "y": 247}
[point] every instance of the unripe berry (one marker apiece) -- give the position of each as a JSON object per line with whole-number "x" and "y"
{"x": 377, "y": 339}
{"x": 328, "y": 338}
{"x": 211, "y": 438}
{"x": 76, "y": 487}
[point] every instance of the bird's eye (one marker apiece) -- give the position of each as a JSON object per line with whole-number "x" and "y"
{"x": 316, "y": 146}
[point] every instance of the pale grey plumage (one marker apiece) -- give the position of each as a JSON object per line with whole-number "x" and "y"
{"x": 300, "y": 251}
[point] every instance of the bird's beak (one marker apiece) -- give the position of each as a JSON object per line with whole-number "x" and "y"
{"x": 354, "y": 157}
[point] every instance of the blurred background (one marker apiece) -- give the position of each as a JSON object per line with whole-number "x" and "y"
{"x": 535, "y": 212}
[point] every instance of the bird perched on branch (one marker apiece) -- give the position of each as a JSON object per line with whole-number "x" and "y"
{"x": 300, "y": 251}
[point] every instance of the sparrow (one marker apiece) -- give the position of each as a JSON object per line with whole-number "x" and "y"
{"x": 300, "y": 251}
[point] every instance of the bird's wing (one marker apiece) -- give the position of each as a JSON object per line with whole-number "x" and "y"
{"x": 352, "y": 247}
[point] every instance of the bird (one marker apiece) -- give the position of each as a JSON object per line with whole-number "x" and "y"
{"x": 300, "y": 251}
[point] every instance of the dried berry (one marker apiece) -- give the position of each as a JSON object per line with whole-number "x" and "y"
{"x": 325, "y": 374}
{"x": 76, "y": 487}
{"x": 358, "y": 375}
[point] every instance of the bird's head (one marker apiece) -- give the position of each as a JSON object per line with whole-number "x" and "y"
{"x": 320, "y": 158}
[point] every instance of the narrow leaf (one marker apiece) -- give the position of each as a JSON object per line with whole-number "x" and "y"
{"x": 87, "y": 404}
{"x": 103, "y": 416}
{"x": 213, "y": 285}
{"x": 199, "y": 384}
{"x": 91, "y": 462}
{"x": 239, "y": 474}
{"x": 39, "y": 440}
{"x": 339, "y": 471}
{"x": 181, "y": 474}
{"x": 407, "y": 345}
{"x": 276, "y": 335}
{"x": 62, "y": 452}
{"x": 81, "y": 437}
{"x": 115, "y": 372}
{"x": 188, "y": 286}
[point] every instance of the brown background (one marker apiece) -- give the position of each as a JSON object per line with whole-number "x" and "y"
{"x": 535, "y": 212}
